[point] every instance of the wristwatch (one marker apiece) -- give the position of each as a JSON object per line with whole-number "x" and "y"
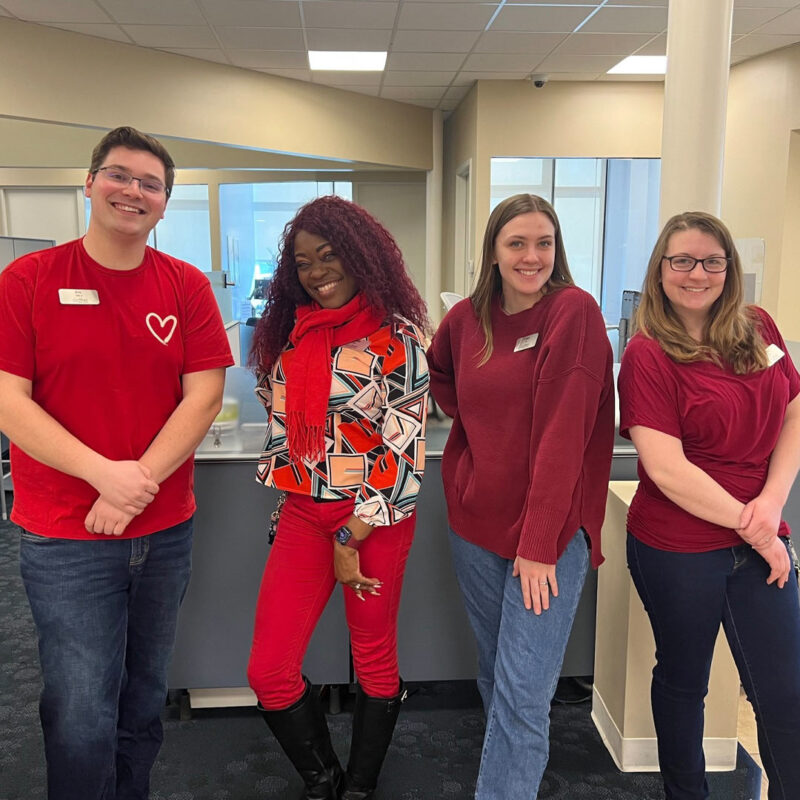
{"x": 345, "y": 536}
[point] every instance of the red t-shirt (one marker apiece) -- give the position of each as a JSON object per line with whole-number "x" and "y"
{"x": 110, "y": 373}
{"x": 728, "y": 425}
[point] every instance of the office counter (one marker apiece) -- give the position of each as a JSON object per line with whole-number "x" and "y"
{"x": 230, "y": 549}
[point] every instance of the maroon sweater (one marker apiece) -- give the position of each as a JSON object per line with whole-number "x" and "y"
{"x": 529, "y": 456}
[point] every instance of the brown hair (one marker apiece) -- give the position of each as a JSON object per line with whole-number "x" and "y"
{"x": 730, "y": 332}
{"x": 489, "y": 281}
{"x": 126, "y": 136}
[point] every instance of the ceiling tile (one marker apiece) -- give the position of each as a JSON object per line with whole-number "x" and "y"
{"x": 541, "y": 19}
{"x": 56, "y": 10}
{"x": 261, "y": 38}
{"x": 349, "y": 14}
{"x": 760, "y": 3}
{"x": 411, "y": 78}
{"x": 171, "y": 35}
{"x": 575, "y": 76}
{"x": 758, "y": 43}
{"x": 413, "y": 92}
{"x": 204, "y": 53}
{"x": 505, "y": 42}
{"x": 499, "y": 62}
{"x": 154, "y": 12}
{"x": 263, "y": 14}
{"x": 268, "y": 59}
{"x": 457, "y": 92}
{"x": 424, "y": 61}
{"x": 616, "y": 19}
{"x": 332, "y": 78}
{"x": 559, "y": 63}
{"x": 657, "y": 46}
{"x": 589, "y": 3}
{"x": 433, "y": 41}
{"x": 4, "y": 13}
{"x": 632, "y": 78}
{"x": 603, "y": 44}
{"x": 102, "y": 31}
{"x": 468, "y": 77}
{"x": 662, "y": 3}
{"x": 445, "y": 16}
{"x": 788, "y": 23}
{"x": 746, "y": 20}
{"x": 347, "y": 39}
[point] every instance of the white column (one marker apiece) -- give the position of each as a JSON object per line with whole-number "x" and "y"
{"x": 695, "y": 104}
{"x": 433, "y": 222}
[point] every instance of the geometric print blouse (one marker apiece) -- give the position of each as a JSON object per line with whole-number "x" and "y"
{"x": 374, "y": 427}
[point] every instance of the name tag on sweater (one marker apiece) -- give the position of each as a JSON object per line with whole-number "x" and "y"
{"x": 774, "y": 354}
{"x": 526, "y": 342}
{"x": 78, "y": 297}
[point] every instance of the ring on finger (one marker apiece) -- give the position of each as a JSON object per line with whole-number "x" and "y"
{"x": 357, "y": 587}
{"x": 542, "y": 583}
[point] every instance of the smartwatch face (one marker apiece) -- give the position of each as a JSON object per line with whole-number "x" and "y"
{"x": 343, "y": 535}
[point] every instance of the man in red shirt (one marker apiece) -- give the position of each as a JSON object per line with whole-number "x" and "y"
{"x": 112, "y": 365}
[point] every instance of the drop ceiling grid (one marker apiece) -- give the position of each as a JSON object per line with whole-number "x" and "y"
{"x": 437, "y": 48}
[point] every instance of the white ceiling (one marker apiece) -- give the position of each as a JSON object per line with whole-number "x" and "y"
{"x": 437, "y": 48}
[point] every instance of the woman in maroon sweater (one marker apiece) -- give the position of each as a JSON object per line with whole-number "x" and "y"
{"x": 711, "y": 399}
{"x": 524, "y": 367}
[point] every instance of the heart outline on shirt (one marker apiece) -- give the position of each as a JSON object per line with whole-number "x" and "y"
{"x": 163, "y": 323}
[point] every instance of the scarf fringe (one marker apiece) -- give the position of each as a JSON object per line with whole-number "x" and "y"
{"x": 304, "y": 441}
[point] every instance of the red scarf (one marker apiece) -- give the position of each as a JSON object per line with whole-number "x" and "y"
{"x": 316, "y": 332}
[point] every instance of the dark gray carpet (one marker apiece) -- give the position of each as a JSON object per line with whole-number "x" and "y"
{"x": 228, "y": 754}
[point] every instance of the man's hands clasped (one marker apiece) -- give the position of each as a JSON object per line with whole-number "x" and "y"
{"x": 125, "y": 489}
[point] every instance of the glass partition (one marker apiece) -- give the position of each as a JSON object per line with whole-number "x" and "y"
{"x": 252, "y": 219}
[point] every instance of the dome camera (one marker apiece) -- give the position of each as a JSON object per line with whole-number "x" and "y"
{"x": 539, "y": 80}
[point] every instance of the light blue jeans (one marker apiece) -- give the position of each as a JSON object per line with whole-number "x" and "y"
{"x": 520, "y": 657}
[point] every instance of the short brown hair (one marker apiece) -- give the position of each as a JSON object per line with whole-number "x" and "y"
{"x": 126, "y": 136}
{"x": 489, "y": 282}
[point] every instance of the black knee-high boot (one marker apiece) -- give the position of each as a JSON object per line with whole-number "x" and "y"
{"x": 302, "y": 732}
{"x": 374, "y": 719}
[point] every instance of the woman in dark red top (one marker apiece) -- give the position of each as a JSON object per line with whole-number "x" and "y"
{"x": 524, "y": 367}
{"x": 709, "y": 396}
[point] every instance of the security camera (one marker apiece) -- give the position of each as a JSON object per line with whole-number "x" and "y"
{"x": 539, "y": 80}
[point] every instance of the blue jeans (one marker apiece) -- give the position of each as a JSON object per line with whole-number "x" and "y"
{"x": 105, "y": 614}
{"x": 687, "y": 596}
{"x": 520, "y": 656}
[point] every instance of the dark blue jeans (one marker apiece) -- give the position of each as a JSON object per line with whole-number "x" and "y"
{"x": 105, "y": 614}
{"x": 687, "y": 596}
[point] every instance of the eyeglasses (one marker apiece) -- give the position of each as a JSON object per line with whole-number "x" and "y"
{"x": 687, "y": 263}
{"x": 124, "y": 179}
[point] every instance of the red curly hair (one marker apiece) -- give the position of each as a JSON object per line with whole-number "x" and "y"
{"x": 368, "y": 253}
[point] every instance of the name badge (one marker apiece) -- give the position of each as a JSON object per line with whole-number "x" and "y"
{"x": 774, "y": 354}
{"x": 78, "y": 297}
{"x": 526, "y": 342}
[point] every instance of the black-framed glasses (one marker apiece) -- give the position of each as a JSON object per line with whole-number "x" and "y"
{"x": 124, "y": 179}
{"x": 687, "y": 263}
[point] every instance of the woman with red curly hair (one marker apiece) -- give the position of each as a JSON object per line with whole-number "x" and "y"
{"x": 341, "y": 371}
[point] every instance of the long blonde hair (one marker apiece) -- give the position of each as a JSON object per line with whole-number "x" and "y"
{"x": 730, "y": 332}
{"x": 489, "y": 281}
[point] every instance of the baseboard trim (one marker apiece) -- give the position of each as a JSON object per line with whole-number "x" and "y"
{"x": 641, "y": 755}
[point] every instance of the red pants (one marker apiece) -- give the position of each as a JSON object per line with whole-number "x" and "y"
{"x": 298, "y": 581}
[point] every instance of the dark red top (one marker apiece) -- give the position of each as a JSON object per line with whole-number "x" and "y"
{"x": 529, "y": 455}
{"x": 728, "y": 425}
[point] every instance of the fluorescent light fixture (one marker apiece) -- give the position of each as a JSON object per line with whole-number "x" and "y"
{"x": 347, "y": 60}
{"x": 640, "y": 65}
